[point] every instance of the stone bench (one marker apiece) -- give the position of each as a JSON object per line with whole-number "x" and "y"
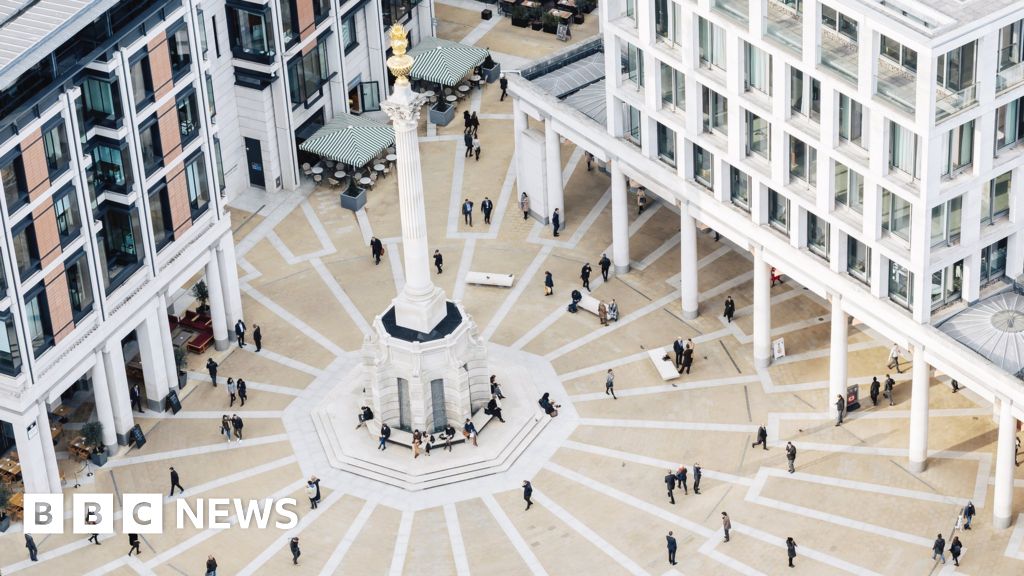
{"x": 403, "y": 438}
{"x": 589, "y": 303}
{"x": 666, "y": 367}
{"x": 489, "y": 279}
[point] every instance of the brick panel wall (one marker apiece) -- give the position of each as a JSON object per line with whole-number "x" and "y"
{"x": 177, "y": 197}
{"x": 33, "y": 156}
{"x": 59, "y": 302}
{"x": 307, "y": 20}
{"x": 47, "y": 236}
{"x": 160, "y": 66}
{"x": 170, "y": 131}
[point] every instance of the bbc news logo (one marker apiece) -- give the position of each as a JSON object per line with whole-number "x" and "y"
{"x": 144, "y": 513}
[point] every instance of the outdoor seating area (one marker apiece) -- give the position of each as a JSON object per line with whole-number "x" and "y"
{"x": 355, "y": 152}
{"x": 546, "y": 16}
{"x": 193, "y": 329}
{"x": 447, "y": 72}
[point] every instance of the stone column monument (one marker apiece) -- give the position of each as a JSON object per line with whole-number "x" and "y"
{"x": 424, "y": 364}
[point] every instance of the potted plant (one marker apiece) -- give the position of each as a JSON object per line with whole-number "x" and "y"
{"x": 179, "y": 362}
{"x": 5, "y": 496}
{"x": 520, "y": 18}
{"x": 577, "y": 18}
{"x": 536, "y": 24}
{"x": 441, "y": 114}
{"x": 93, "y": 434}
{"x": 200, "y": 293}
{"x": 586, "y": 6}
{"x": 354, "y": 197}
{"x": 549, "y": 23}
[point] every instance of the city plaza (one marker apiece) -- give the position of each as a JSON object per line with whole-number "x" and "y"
{"x": 858, "y": 502}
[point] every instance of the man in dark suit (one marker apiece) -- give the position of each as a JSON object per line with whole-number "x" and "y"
{"x": 681, "y": 479}
{"x": 671, "y": 541}
{"x": 240, "y": 333}
{"x": 136, "y": 397}
{"x": 174, "y": 482}
{"x": 556, "y": 222}
{"x": 467, "y": 208}
{"x": 696, "y": 478}
{"x": 605, "y": 265}
{"x": 527, "y": 493}
{"x": 30, "y": 543}
{"x": 762, "y": 437}
{"x": 211, "y": 367}
{"x": 467, "y": 139}
{"x": 876, "y": 386}
{"x": 376, "y": 249}
{"x": 257, "y": 337}
{"x": 670, "y": 484}
{"x": 677, "y": 347}
{"x": 486, "y": 206}
{"x": 585, "y": 275}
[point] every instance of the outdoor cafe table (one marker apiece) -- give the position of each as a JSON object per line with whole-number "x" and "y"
{"x": 391, "y": 157}
{"x": 9, "y": 469}
{"x": 339, "y": 174}
{"x": 463, "y": 88}
{"x": 560, "y": 14}
{"x": 379, "y": 168}
{"x": 475, "y": 80}
{"x": 365, "y": 181}
{"x": 451, "y": 98}
{"x": 530, "y": 4}
{"x": 318, "y": 169}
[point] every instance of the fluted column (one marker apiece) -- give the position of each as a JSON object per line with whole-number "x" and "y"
{"x": 688, "y": 286}
{"x": 104, "y": 408}
{"x": 1002, "y": 500}
{"x": 620, "y": 219}
{"x": 762, "y": 310}
{"x": 218, "y": 314}
{"x": 553, "y": 166}
{"x": 837, "y": 360}
{"x": 49, "y": 454}
{"x": 919, "y": 411}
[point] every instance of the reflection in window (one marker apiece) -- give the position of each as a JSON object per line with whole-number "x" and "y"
{"x": 65, "y": 208}
{"x": 739, "y": 188}
{"x": 803, "y": 161}
{"x": 249, "y": 34}
{"x": 12, "y": 172}
{"x": 993, "y": 261}
{"x": 849, "y": 188}
{"x": 180, "y": 51}
{"x": 160, "y": 216}
{"x": 118, "y": 240}
{"x": 817, "y": 235}
{"x": 858, "y": 260}
{"x": 901, "y": 285}
{"x": 702, "y": 167}
{"x": 198, "y": 185}
{"x": 79, "y": 285}
{"x": 759, "y": 133}
{"x": 995, "y": 199}
{"x": 666, "y": 144}
{"x": 307, "y": 74}
{"x": 142, "y": 81}
{"x": 10, "y": 351}
{"x": 26, "y": 252}
{"x": 895, "y": 215}
{"x": 778, "y": 211}
{"x": 188, "y": 117}
{"x": 40, "y": 332}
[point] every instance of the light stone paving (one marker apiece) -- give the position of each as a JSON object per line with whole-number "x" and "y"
{"x": 600, "y": 507}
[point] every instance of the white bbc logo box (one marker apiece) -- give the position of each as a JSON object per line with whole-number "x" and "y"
{"x": 140, "y": 514}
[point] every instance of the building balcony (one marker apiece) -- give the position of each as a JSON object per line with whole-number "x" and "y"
{"x": 897, "y": 84}
{"x": 839, "y": 54}
{"x": 948, "y": 103}
{"x": 1011, "y": 71}
{"x": 785, "y": 24}
{"x": 735, "y": 9}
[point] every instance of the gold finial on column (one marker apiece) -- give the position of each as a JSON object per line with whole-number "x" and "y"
{"x": 399, "y": 63}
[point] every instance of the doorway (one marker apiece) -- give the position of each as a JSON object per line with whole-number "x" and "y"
{"x": 254, "y": 159}
{"x": 404, "y": 416}
{"x": 440, "y": 416}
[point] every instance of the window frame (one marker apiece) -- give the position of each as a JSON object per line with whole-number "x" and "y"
{"x": 69, "y": 195}
{"x": 79, "y": 261}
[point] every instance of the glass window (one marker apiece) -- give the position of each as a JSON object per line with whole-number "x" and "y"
{"x": 758, "y": 72}
{"x": 1010, "y": 45}
{"x": 898, "y": 54}
{"x": 959, "y": 149}
{"x": 211, "y": 101}
{"x": 817, "y": 235}
{"x": 993, "y": 261}
{"x": 849, "y": 188}
{"x": 673, "y": 88}
{"x": 160, "y": 215}
{"x": 631, "y": 9}
{"x": 369, "y": 96}
{"x": 119, "y": 249}
{"x": 350, "y": 39}
{"x": 759, "y": 135}
{"x": 1009, "y": 124}
{"x": 716, "y": 111}
{"x": 666, "y": 144}
{"x": 307, "y": 74}
{"x": 947, "y": 284}
{"x": 15, "y": 187}
{"x": 851, "y": 119}
{"x": 631, "y": 64}
{"x": 221, "y": 182}
{"x": 198, "y": 185}
{"x": 895, "y": 215}
{"x": 778, "y": 211}
{"x": 79, "y": 285}
{"x": 703, "y": 172}
{"x": 631, "y": 129}
{"x": 26, "y": 251}
{"x": 250, "y": 35}
{"x": 102, "y": 101}
{"x": 712, "y": 45}
{"x": 901, "y": 285}
{"x": 65, "y": 208}
{"x": 858, "y": 260}
{"x": 804, "y": 95}
{"x": 10, "y": 350}
{"x": 995, "y": 199}
{"x": 111, "y": 169}
{"x": 180, "y": 51}
{"x": 289, "y": 22}
{"x": 835, "y": 20}
{"x": 188, "y": 117}
{"x": 149, "y": 140}
{"x": 955, "y": 70}
{"x": 667, "y": 17}
{"x": 40, "y": 332}
{"x": 903, "y": 150}
{"x": 946, "y": 222}
{"x": 321, "y": 10}
{"x": 142, "y": 81}
{"x": 55, "y": 146}
{"x": 739, "y": 188}
{"x": 803, "y": 161}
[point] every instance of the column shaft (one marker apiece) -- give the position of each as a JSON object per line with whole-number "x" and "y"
{"x": 217, "y": 310}
{"x": 166, "y": 343}
{"x": 553, "y": 162}
{"x": 620, "y": 220}
{"x": 762, "y": 310}
{"x": 688, "y": 263}
{"x": 104, "y": 408}
{"x": 919, "y": 412}
{"x": 117, "y": 384}
{"x": 837, "y": 361}
{"x": 30, "y": 453}
{"x": 229, "y": 281}
{"x": 151, "y": 353}
{"x": 1002, "y": 500}
{"x": 49, "y": 454}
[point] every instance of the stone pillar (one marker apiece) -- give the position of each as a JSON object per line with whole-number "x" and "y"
{"x": 34, "y": 472}
{"x": 762, "y": 310}
{"x": 919, "y": 411}
{"x": 553, "y": 163}
{"x": 104, "y": 409}
{"x": 117, "y": 386}
{"x": 218, "y": 313}
{"x": 688, "y": 263}
{"x": 837, "y": 372}
{"x": 620, "y": 219}
{"x": 1002, "y": 500}
{"x": 151, "y": 353}
{"x": 229, "y": 281}
{"x": 166, "y": 343}
{"x": 49, "y": 454}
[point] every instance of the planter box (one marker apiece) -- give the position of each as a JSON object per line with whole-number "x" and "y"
{"x": 99, "y": 458}
{"x": 491, "y": 75}
{"x": 589, "y": 8}
{"x": 577, "y": 19}
{"x": 485, "y": 14}
{"x": 353, "y": 203}
{"x": 442, "y": 116}
{"x": 5, "y": 523}
{"x": 536, "y": 25}
{"x": 550, "y": 29}
{"x": 182, "y": 380}
{"x": 520, "y": 23}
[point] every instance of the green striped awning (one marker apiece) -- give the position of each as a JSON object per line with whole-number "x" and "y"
{"x": 443, "y": 61}
{"x": 353, "y": 140}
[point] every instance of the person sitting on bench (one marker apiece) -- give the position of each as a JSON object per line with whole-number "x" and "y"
{"x": 365, "y": 415}
{"x": 576, "y": 297}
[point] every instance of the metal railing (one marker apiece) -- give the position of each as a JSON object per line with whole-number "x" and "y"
{"x": 950, "y": 103}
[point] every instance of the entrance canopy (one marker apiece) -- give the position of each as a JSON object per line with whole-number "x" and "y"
{"x": 353, "y": 140}
{"x": 443, "y": 61}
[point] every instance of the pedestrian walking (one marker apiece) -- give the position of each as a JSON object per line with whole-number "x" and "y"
{"x": 681, "y": 479}
{"x": 613, "y": 311}
{"x": 237, "y": 424}
{"x": 449, "y": 435}
{"x": 469, "y": 431}
{"x": 225, "y": 427}
{"x": 94, "y": 537}
{"x": 670, "y": 541}
{"x": 493, "y": 408}
{"x": 385, "y": 433}
{"x": 467, "y": 211}
{"x": 894, "y": 358}
{"x": 294, "y": 547}
{"x": 687, "y": 359}
{"x": 955, "y": 547}
{"x": 467, "y": 139}
{"x": 585, "y": 275}
{"x": 240, "y": 332}
{"x": 524, "y": 205}
{"x": 890, "y": 386}
{"x": 762, "y": 437}
{"x": 476, "y": 147}
{"x": 969, "y": 513}
{"x": 311, "y": 494}
{"x": 730, "y": 308}
{"x": 791, "y": 550}
{"x": 791, "y": 456}
{"x": 939, "y": 548}
{"x": 602, "y": 313}
{"x": 503, "y": 84}
{"x": 33, "y": 552}
{"x": 417, "y": 441}
{"x": 590, "y": 161}
{"x": 556, "y": 222}
{"x": 641, "y": 201}
{"x": 875, "y": 387}
{"x": 136, "y": 397}
{"x": 527, "y": 493}
{"x": 840, "y": 408}
{"x": 496, "y": 387}
{"x": 174, "y": 482}
{"x": 438, "y": 261}
{"x": 316, "y": 483}
{"x": 133, "y": 541}
{"x": 609, "y": 384}
{"x": 474, "y": 124}
{"x": 696, "y": 478}
{"x": 670, "y": 485}
{"x": 211, "y": 367}
{"x": 678, "y": 346}
{"x": 726, "y": 525}
{"x": 486, "y": 207}
{"x": 549, "y": 283}
{"x": 232, "y": 392}
{"x": 467, "y": 122}
{"x": 428, "y": 441}
{"x": 257, "y": 337}
{"x": 242, "y": 390}
{"x": 376, "y": 249}
{"x": 605, "y": 265}
{"x": 211, "y": 566}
